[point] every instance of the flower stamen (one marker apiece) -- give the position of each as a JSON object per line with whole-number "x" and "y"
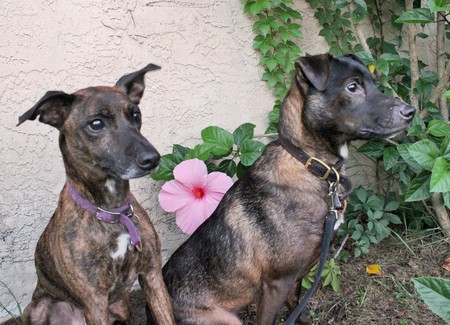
{"x": 198, "y": 192}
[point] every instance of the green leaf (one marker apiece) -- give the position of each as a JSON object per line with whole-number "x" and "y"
{"x": 417, "y": 127}
{"x": 447, "y": 94}
{"x": 250, "y": 150}
{"x": 382, "y": 66}
{"x": 200, "y": 151}
{"x": 419, "y": 187}
{"x": 404, "y": 153}
{"x": 445, "y": 147}
{"x": 446, "y": 196}
{"x": 221, "y": 141}
{"x": 438, "y": 128}
{"x": 390, "y": 157}
{"x": 293, "y": 13}
{"x": 179, "y": 151}
{"x": 373, "y": 148}
{"x": 436, "y": 294}
{"x": 440, "y": 176}
{"x": 391, "y": 206}
{"x": 416, "y": 16}
{"x": 424, "y": 152}
{"x": 165, "y": 168}
{"x": 228, "y": 166}
{"x": 243, "y": 132}
{"x": 436, "y": 6}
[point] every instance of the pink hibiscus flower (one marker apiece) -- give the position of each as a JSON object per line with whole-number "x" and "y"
{"x": 194, "y": 194}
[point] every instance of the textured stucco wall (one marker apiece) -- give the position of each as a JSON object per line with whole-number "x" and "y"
{"x": 210, "y": 76}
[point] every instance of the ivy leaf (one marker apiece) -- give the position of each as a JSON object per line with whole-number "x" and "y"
{"x": 438, "y": 128}
{"x": 440, "y": 176}
{"x": 419, "y": 188}
{"x": 424, "y": 152}
{"x": 293, "y": 13}
{"x": 250, "y": 150}
{"x": 243, "y": 132}
{"x": 362, "y": 4}
{"x": 221, "y": 141}
{"x": 416, "y": 16}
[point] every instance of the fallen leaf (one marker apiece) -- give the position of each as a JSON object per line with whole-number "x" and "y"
{"x": 372, "y": 68}
{"x": 446, "y": 265}
{"x": 373, "y": 269}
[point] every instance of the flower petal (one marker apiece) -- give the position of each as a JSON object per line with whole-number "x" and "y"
{"x": 191, "y": 216}
{"x": 174, "y": 196}
{"x": 191, "y": 173}
{"x": 217, "y": 185}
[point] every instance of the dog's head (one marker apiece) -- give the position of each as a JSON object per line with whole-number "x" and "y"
{"x": 342, "y": 102}
{"x": 100, "y": 127}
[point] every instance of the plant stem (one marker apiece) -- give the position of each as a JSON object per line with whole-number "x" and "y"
{"x": 441, "y": 213}
{"x": 414, "y": 62}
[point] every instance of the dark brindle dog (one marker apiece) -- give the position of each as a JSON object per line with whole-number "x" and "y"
{"x": 266, "y": 233}
{"x": 99, "y": 239}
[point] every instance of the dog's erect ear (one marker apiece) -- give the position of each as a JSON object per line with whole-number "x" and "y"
{"x": 314, "y": 70}
{"x": 133, "y": 84}
{"x": 52, "y": 109}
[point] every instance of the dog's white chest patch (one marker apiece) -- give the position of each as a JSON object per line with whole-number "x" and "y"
{"x": 122, "y": 246}
{"x": 111, "y": 186}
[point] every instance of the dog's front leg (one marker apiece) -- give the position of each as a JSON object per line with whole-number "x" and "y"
{"x": 157, "y": 297}
{"x": 271, "y": 299}
{"x": 96, "y": 311}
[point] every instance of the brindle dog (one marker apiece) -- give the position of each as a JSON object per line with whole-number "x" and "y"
{"x": 266, "y": 232}
{"x": 91, "y": 251}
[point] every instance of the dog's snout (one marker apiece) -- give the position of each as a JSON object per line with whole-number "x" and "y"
{"x": 407, "y": 111}
{"x": 148, "y": 160}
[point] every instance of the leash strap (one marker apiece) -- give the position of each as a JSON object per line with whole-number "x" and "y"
{"x": 327, "y": 237}
{"x": 111, "y": 216}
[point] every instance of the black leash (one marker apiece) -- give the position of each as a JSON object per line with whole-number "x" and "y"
{"x": 326, "y": 241}
{"x": 329, "y": 173}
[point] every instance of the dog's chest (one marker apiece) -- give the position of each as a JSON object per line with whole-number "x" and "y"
{"x": 121, "y": 247}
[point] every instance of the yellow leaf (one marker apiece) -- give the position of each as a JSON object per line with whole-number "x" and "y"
{"x": 372, "y": 68}
{"x": 373, "y": 269}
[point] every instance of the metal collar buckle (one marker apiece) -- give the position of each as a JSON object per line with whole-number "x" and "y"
{"x": 115, "y": 215}
{"x": 328, "y": 171}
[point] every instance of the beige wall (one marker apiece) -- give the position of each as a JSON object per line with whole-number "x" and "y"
{"x": 210, "y": 76}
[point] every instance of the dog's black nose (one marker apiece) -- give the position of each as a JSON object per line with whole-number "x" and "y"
{"x": 407, "y": 111}
{"x": 148, "y": 160}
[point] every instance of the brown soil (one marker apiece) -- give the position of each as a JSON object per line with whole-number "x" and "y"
{"x": 386, "y": 299}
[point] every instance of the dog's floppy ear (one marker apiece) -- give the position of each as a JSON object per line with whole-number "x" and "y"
{"x": 133, "y": 84}
{"x": 314, "y": 70}
{"x": 52, "y": 108}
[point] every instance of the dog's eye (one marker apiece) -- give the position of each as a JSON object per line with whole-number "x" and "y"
{"x": 137, "y": 117}
{"x": 96, "y": 125}
{"x": 352, "y": 87}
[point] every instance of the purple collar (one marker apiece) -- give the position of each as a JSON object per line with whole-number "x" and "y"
{"x": 111, "y": 216}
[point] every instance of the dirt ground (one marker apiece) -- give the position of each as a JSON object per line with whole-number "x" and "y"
{"x": 363, "y": 299}
{"x": 386, "y": 299}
